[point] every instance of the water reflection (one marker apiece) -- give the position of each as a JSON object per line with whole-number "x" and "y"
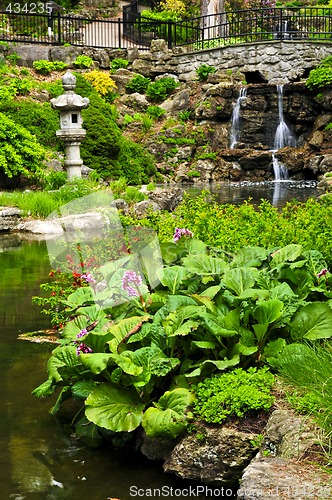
{"x": 40, "y": 458}
{"x": 278, "y": 193}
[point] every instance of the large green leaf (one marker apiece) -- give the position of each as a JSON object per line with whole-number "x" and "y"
{"x": 119, "y": 410}
{"x": 123, "y": 329}
{"x": 210, "y": 364}
{"x": 215, "y": 323}
{"x": 126, "y": 361}
{"x": 288, "y": 253}
{"x": 268, "y": 311}
{"x": 249, "y": 257}
{"x": 313, "y": 321}
{"x": 240, "y": 279}
{"x": 183, "y": 320}
{"x": 204, "y": 265}
{"x": 96, "y": 362}
{"x": 64, "y": 363}
{"x": 83, "y": 388}
{"x": 168, "y": 418}
{"x": 172, "y": 277}
{"x": 81, "y": 296}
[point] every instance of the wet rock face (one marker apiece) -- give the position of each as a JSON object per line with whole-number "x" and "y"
{"x": 217, "y": 459}
{"x": 9, "y": 218}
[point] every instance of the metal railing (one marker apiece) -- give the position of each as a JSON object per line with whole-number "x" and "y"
{"x": 254, "y": 25}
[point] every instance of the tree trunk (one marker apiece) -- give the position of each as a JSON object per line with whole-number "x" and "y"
{"x": 215, "y": 24}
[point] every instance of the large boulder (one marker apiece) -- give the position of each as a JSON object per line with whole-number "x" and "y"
{"x": 9, "y": 218}
{"x": 167, "y": 199}
{"x": 216, "y": 456}
{"x": 279, "y": 469}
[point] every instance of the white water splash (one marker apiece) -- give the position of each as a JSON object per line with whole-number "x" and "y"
{"x": 283, "y": 137}
{"x": 236, "y": 118}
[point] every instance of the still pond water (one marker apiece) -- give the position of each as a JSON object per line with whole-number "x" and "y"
{"x": 39, "y": 459}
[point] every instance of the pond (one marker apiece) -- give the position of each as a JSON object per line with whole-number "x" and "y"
{"x": 278, "y": 193}
{"x": 40, "y": 459}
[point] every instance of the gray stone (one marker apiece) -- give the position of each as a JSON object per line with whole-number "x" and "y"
{"x": 9, "y": 218}
{"x": 167, "y": 199}
{"x": 217, "y": 459}
{"x": 143, "y": 208}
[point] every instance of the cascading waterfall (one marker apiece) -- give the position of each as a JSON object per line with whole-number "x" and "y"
{"x": 283, "y": 137}
{"x": 236, "y": 118}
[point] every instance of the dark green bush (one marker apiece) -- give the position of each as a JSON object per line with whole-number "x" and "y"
{"x": 40, "y": 119}
{"x": 138, "y": 83}
{"x": 233, "y": 393}
{"x": 204, "y": 70}
{"x": 320, "y": 77}
{"x": 134, "y": 163}
{"x": 158, "y": 91}
{"x": 20, "y": 153}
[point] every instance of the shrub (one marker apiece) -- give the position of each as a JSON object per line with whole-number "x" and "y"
{"x": 155, "y": 112}
{"x": 83, "y": 62}
{"x": 138, "y": 83}
{"x": 134, "y": 162}
{"x": 235, "y": 393}
{"x": 160, "y": 89}
{"x": 102, "y": 82}
{"x": 20, "y": 153}
{"x": 118, "y": 63}
{"x": 204, "y": 70}
{"x": 39, "y": 119}
{"x": 45, "y": 67}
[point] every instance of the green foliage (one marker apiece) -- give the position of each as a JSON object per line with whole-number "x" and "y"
{"x": 184, "y": 115}
{"x": 210, "y": 312}
{"x": 204, "y": 70}
{"x": 155, "y": 112}
{"x": 308, "y": 368}
{"x": 235, "y": 393}
{"x": 138, "y": 83}
{"x": 134, "y": 162}
{"x": 83, "y": 62}
{"x": 320, "y": 77}
{"x": 233, "y": 226}
{"x": 45, "y": 67}
{"x": 39, "y": 118}
{"x": 158, "y": 90}
{"x": 118, "y": 63}
{"x": 20, "y": 153}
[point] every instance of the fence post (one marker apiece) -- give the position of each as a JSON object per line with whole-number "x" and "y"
{"x": 119, "y": 31}
{"x": 59, "y": 28}
{"x": 170, "y": 25}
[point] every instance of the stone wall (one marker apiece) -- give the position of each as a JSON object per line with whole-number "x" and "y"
{"x": 270, "y": 62}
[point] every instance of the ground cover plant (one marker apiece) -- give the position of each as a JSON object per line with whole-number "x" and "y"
{"x": 130, "y": 354}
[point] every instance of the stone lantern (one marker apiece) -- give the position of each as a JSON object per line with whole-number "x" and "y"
{"x": 71, "y": 132}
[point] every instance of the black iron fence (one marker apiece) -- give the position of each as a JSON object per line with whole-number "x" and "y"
{"x": 254, "y": 25}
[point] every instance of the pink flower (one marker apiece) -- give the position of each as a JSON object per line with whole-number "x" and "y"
{"x": 130, "y": 282}
{"x": 88, "y": 278}
{"x": 179, "y": 232}
{"x": 323, "y": 272}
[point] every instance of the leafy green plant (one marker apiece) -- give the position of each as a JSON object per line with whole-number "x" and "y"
{"x": 155, "y": 112}
{"x": 184, "y": 115}
{"x": 211, "y": 312}
{"x": 38, "y": 118}
{"x": 138, "y": 83}
{"x": 158, "y": 90}
{"x": 118, "y": 63}
{"x": 20, "y": 153}
{"x": 235, "y": 393}
{"x": 204, "y": 71}
{"x": 45, "y": 67}
{"x": 83, "y": 62}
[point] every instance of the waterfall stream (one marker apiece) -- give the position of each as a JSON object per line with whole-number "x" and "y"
{"x": 236, "y": 118}
{"x": 283, "y": 137}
